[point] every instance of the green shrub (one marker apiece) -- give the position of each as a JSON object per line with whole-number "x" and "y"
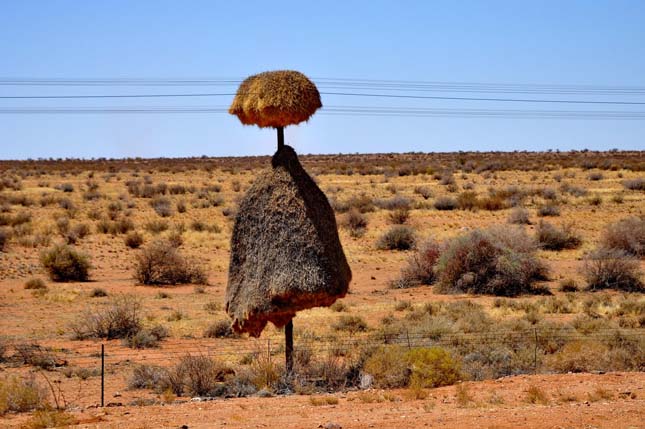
{"x": 395, "y": 366}
{"x": 432, "y": 367}
{"x": 398, "y": 237}
{"x": 388, "y": 366}
{"x": 63, "y": 263}
{"x": 612, "y": 269}
{"x": 497, "y": 261}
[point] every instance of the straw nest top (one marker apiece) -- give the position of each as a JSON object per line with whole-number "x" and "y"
{"x": 275, "y": 99}
{"x": 286, "y": 255}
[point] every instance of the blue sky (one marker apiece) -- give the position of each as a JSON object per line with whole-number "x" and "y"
{"x": 541, "y": 42}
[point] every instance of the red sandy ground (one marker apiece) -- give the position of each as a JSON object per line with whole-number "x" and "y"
{"x": 573, "y": 402}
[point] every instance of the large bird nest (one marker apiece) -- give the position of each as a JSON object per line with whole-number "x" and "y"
{"x": 285, "y": 252}
{"x": 275, "y": 99}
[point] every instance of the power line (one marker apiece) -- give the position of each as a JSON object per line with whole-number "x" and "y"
{"x": 344, "y": 94}
{"x": 385, "y": 84}
{"x": 345, "y": 111}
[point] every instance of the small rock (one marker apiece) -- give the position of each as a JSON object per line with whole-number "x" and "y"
{"x": 332, "y": 425}
{"x": 117, "y": 394}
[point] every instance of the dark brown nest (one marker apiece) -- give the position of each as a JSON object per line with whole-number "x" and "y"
{"x": 275, "y": 99}
{"x": 285, "y": 252}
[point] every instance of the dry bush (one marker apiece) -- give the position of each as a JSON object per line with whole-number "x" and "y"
{"x": 420, "y": 267}
{"x": 147, "y": 338}
{"x": 635, "y": 184}
{"x": 98, "y": 292}
{"x": 220, "y": 329}
{"x": 581, "y": 356}
{"x": 496, "y": 261}
{"x": 355, "y": 222}
{"x": 198, "y": 376}
{"x": 47, "y": 418}
{"x": 595, "y": 176}
{"x": 133, "y": 240}
{"x": 160, "y": 263}
{"x": 424, "y": 191}
{"x": 4, "y": 238}
{"x": 395, "y": 203}
{"x": 156, "y": 226}
{"x": 519, "y": 216}
{"x": 568, "y": 285}
{"x": 612, "y": 269}
{"x": 627, "y": 235}
{"x": 398, "y": 216}
{"x": 467, "y": 201}
{"x": 535, "y": 395}
{"x": 339, "y": 307}
{"x": 492, "y": 202}
{"x": 362, "y": 203}
{"x": 399, "y": 237}
{"x": 63, "y": 264}
{"x": 118, "y": 318}
{"x": 37, "y": 355}
{"x": 20, "y": 395}
{"x": 149, "y": 377}
{"x": 550, "y": 237}
{"x": 162, "y": 206}
{"x": 35, "y": 283}
{"x": 548, "y": 210}
{"x": 445, "y": 203}
{"x": 351, "y": 324}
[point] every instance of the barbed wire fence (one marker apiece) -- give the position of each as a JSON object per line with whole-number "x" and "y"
{"x": 96, "y": 361}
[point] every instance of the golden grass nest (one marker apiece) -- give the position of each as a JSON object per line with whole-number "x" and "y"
{"x": 275, "y": 99}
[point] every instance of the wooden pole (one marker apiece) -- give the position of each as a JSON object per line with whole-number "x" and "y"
{"x": 280, "y": 137}
{"x": 102, "y": 375}
{"x": 288, "y": 343}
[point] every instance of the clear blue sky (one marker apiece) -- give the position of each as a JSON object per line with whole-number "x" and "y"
{"x": 543, "y": 42}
